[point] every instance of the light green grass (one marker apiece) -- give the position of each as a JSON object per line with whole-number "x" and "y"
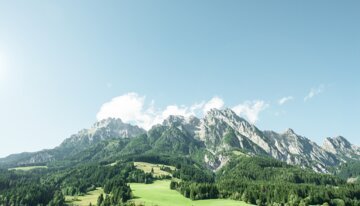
{"x": 85, "y": 200}
{"x": 146, "y": 167}
{"x": 28, "y": 168}
{"x": 111, "y": 164}
{"x": 159, "y": 194}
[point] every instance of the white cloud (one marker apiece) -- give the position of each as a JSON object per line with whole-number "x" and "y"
{"x": 250, "y": 110}
{"x": 313, "y": 92}
{"x": 131, "y": 108}
{"x": 214, "y": 103}
{"x": 195, "y": 108}
{"x": 176, "y": 110}
{"x": 285, "y": 99}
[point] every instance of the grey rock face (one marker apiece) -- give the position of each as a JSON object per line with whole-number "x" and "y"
{"x": 102, "y": 130}
{"x": 342, "y": 148}
{"x": 223, "y": 130}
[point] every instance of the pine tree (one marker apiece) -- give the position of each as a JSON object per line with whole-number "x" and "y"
{"x": 100, "y": 200}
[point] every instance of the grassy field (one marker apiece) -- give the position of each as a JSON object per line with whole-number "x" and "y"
{"x": 85, "y": 200}
{"x": 28, "y": 168}
{"x": 146, "y": 167}
{"x": 159, "y": 194}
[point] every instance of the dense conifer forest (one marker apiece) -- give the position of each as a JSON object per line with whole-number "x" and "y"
{"x": 255, "y": 180}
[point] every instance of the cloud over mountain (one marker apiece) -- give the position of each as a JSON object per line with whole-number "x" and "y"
{"x": 132, "y": 108}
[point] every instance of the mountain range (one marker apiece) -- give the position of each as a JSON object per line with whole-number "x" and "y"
{"x": 211, "y": 140}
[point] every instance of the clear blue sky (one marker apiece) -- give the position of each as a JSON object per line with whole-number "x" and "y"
{"x": 60, "y": 61}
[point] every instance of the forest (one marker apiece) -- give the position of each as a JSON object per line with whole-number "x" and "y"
{"x": 255, "y": 180}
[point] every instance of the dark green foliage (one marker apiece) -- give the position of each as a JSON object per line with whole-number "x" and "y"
{"x": 173, "y": 185}
{"x": 196, "y": 191}
{"x": 231, "y": 139}
{"x": 82, "y": 179}
{"x": 263, "y": 181}
{"x": 175, "y": 141}
{"x": 166, "y": 169}
{"x": 58, "y": 199}
{"x": 137, "y": 145}
{"x": 194, "y": 174}
{"x": 48, "y": 187}
{"x": 100, "y": 199}
{"x": 348, "y": 169}
{"x": 26, "y": 188}
{"x": 267, "y": 169}
{"x": 119, "y": 190}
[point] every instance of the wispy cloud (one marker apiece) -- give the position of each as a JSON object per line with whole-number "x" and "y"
{"x": 285, "y": 99}
{"x": 132, "y": 108}
{"x": 314, "y": 92}
{"x": 250, "y": 109}
{"x": 215, "y": 102}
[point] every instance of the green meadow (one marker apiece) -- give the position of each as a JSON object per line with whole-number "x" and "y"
{"x": 159, "y": 194}
{"x": 148, "y": 167}
{"x": 90, "y": 197}
{"x": 27, "y": 168}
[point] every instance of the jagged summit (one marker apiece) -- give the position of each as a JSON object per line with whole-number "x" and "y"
{"x": 341, "y": 147}
{"x": 289, "y": 131}
{"x": 107, "y": 121}
{"x": 224, "y": 113}
{"x": 102, "y": 130}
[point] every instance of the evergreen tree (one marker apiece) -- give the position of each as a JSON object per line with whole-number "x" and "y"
{"x": 100, "y": 200}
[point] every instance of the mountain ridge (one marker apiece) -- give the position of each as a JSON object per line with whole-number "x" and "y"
{"x": 210, "y": 139}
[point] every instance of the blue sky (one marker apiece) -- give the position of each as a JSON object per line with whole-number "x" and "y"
{"x": 61, "y": 61}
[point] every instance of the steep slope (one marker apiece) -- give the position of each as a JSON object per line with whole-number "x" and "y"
{"x": 296, "y": 149}
{"x": 342, "y": 148}
{"x": 223, "y": 130}
{"x": 218, "y": 124}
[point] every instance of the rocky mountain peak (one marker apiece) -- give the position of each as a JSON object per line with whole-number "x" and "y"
{"x": 101, "y": 130}
{"x": 174, "y": 120}
{"x": 107, "y": 122}
{"x": 290, "y": 131}
{"x": 340, "y": 140}
{"x": 227, "y": 112}
{"x": 342, "y": 147}
{"x": 226, "y": 115}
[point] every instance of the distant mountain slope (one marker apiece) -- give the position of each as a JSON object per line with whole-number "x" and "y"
{"x": 102, "y": 130}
